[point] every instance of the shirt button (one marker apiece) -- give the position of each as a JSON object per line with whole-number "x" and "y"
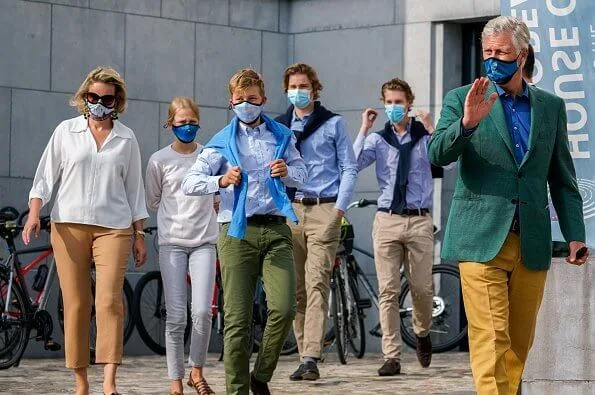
{"x": 513, "y": 110}
{"x": 515, "y": 128}
{"x": 517, "y": 146}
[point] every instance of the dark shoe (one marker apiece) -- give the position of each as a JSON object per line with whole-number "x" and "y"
{"x": 258, "y": 387}
{"x": 424, "y": 351}
{"x": 299, "y": 373}
{"x": 391, "y": 367}
{"x": 306, "y": 371}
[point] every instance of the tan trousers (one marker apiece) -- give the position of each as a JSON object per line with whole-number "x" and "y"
{"x": 75, "y": 247}
{"x": 315, "y": 241}
{"x": 407, "y": 240}
{"x": 502, "y": 298}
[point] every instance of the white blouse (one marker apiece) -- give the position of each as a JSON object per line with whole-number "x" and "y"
{"x": 97, "y": 187}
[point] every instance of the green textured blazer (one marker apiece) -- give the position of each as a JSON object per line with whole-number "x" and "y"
{"x": 490, "y": 181}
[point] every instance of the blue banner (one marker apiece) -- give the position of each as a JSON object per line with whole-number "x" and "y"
{"x": 563, "y": 37}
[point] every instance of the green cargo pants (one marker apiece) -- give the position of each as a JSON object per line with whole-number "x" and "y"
{"x": 266, "y": 250}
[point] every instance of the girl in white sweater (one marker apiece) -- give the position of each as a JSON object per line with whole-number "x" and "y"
{"x": 187, "y": 235}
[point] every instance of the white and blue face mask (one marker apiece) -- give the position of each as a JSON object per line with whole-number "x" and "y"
{"x": 186, "y": 133}
{"x": 395, "y": 112}
{"x": 247, "y": 112}
{"x": 300, "y": 98}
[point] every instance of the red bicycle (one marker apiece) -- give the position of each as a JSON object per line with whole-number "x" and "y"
{"x": 23, "y": 307}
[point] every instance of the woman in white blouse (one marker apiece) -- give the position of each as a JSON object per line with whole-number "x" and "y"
{"x": 187, "y": 235}
{"x": 99, "y": 206}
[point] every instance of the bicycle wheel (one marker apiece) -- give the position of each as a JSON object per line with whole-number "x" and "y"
{"x": 355, "y": 324}
{"x": 445, "y": 332}
{"x": 128, "y": 318}
{"x": 14, "y": 328}
{"x": 256, "y": 331}
{"x": 290, "y": 344}
{"x": 259, "y": 320}
{"x": 149, "y": 312}
{"x": 338, "y": 314}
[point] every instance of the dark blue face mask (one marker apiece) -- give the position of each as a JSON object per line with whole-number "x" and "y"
{"x": 185, "y": 133}
{"x": 500, "y": 71}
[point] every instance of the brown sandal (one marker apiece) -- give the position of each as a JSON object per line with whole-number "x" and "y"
{"x": 201, "y": 387}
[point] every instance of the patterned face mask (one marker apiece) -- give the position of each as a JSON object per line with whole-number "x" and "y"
{"x": 99, "y": 112}
{"x": 500, "y": 71}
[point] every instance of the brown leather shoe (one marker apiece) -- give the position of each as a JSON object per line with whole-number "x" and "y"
{"x": 424, "y": 350}
{"x": 391, "y": 367}
{"x": 258, "y": 387}
{"x": 201, "y": 387}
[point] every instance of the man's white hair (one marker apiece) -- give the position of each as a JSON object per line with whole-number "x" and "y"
{"x": 508, "y": 24}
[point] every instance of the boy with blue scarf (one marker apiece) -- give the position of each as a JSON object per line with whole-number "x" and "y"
{"x": 250, "y": 162}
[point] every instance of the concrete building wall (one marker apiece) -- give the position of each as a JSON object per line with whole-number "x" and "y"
{"x": 165, "y": 48}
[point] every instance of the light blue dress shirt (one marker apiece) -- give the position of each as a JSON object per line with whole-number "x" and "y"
{"x": 256, "y": 148}
{"x": 420, "y": 186}
{"x": 329, "y": 157}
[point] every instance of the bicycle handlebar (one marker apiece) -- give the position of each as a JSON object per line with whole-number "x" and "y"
{"x": 44, "y": 222}
{"x": 362, "y": 203}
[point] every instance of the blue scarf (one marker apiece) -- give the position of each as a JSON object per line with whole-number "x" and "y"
{"x": 224, "y": 142}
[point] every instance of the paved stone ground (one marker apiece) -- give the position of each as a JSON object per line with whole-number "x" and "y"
{"x": 449, "y": 374}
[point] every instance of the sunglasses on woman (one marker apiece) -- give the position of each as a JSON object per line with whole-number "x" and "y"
{"x": 107, "y": 100}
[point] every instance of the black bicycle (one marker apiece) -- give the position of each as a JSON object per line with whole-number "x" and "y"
{"x": 347, "y": 306}
{"x": 259, "y": 321}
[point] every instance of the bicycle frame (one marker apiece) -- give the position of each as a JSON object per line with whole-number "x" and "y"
{"x": 362, "y": 276}
{"x": 13, "y": 266}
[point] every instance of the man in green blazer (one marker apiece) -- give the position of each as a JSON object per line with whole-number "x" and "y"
{"x": 510, "y": 142}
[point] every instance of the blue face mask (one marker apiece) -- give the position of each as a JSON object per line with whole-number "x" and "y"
{"x": 299, "y": 97}
{"x": 247, "y": 112}
{"x": 395, "y": 112}
{"x": 500, "y": 71}
{"x": 185, "y": 133}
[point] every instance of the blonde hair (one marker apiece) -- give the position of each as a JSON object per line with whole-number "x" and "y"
{"x": 178, "y": 103}
{"x": 106, "y": 75}
{"x": 308, "y": 71}
{"x": 244, "y": 79}
{"x": 516, "y": 27}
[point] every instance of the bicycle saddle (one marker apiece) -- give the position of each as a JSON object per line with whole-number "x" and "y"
{"x": 8, "y": 213}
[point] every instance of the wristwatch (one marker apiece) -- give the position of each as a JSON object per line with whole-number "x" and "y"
{"x": 139, "y": 233}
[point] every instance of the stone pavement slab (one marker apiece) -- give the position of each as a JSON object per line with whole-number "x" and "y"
{"x": 449, "y": 374}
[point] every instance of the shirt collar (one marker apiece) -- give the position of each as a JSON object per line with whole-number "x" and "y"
{"x": 245, "y": 129}
{"x": 80, "y": 124}
{"x": 407, "y": 129}
{"x": 296, "y": 118}
{"x": 502, "y": 92}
